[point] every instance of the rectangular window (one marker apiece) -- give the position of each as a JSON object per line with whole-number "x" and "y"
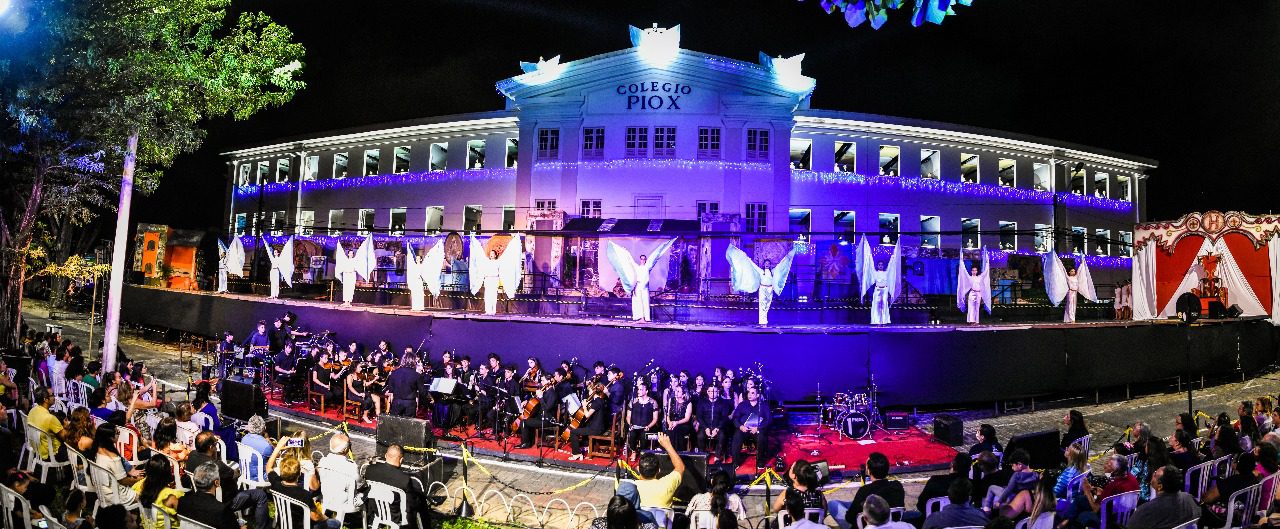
{"x": 889, "y": 228}
{"x": 435, "y": 219}
{"x": 758, "y": 144}
{"x": 1043, "y": 238}
{"x": 244, "y": 174}
{"x": 339, "y": 165}
{"x": 757, "y": 217}
{"x": 969, "y": 168}
{"x": 637, "y": 142}
{"x": 259, "y": 222}
{"x": 335, "y": 221}
{"x": 439, "y": 156}
{"x": 475, "y": 154}
{"x": 969, "y": 233}
{"x": 283, "y": 166}
{"x": 277, "y": 223}
{"x": 846, "y": 157}
{"x": 242, "y": 220}
{"x": 1123, "y": 188}
{"x": 799, "y": 220}
{"x": 1078, "y": 243}
{"x": 366, "y": 222}
{"x": 801, "y": 153}
{"x": 548, "y": 144}
{"x": 399, "y": 217}
{"x": 708, "y": 207}
{"x": 1125, "y": 245}
{"x": 890, "y": 160}
{"x": 664, "y": 142}
{"x": 401, "y": 163}
{"x": 513, "y": 152}
{"x": 1042, "y": 176}
{"x": 1101, "y": 185}
{"x": 545, "y": 204}
{"x": 1102, "y": 242}
{"x": 508, "y": 218}
{"x": 590, "y": 208}
{"x": 1007, "y": 172}
{"x": 593, "y": 142}
{"x": 649, "y": 207}
{"x": 311, "y": 168}
{"x": 709, "y": 143}
{"x": 844, "y": 223}
{"x": 264, "y": 168}
{"x": 929, "y": 164}
{"x": 371, "y": 159}
{"x": 471, "y": 217}
{"x": 1077, "y": 179}
{"x": 930, "y": 231}
{"x": 306, "y": 221}
{"x": 1008, "y": 235}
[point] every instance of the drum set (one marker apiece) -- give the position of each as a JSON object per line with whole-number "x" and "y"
{"x": 852, "y": 414}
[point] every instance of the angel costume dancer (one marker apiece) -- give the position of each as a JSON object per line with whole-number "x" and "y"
{"x": 281, "y": 265}
{"x": 768, "y": 280}
{"x": 973, "y": 289}
{"x": 884, "y": 281}
{"x": 494, "y": 270}
{"x": 350, "y": 265}
{"x": 426, "y": 270}
{"x": 1060, "y": 283}
{"x": 230, "y": 261}
{"x": 635, "y": 275}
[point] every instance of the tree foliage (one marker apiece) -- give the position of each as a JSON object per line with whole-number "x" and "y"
{"x": 79, "y": 77}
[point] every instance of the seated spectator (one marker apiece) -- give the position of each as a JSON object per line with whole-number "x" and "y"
{"x": 1155, "y": 457}
{"x": 623, "y": 514}
{"x": 337, "y": 467}
{"x": 1138, "y": 436}
{"x": 42, "y": 418}
{"x": 287, "y": 480}
{"x": 1184, "y": 421}
{"x": 987, "y": 442}
{"x": 165, "y": 440}
{"x": 183, "y": 415}
{"x": 1272, "y": 438}
{"x": 207, "y": 452}
{"x": 202, "y": 506}
{"x": 98, "y": 404}
{"x": 1170, "y": 508}
{"x": 958, "y": 513}
{"x": 117, "y": 516}
{"x": 94, "y": 369}
{"x": 253, "y": 439}
{"x": 718, "y": 499}
{"x": 846, "y": 513}
{"x": 1075, "y": 428}
{"x": 940, "y": 485}
{"x": 1214, "y": 500}
{"x": 1225, "y": 440}
{"x": 73, "y": 511}
{"x": 1077, "y": 464}
{"x": 655, "y": 491}
{"x": 23, "y": 483}
{"x": 80, "y": 429}
{"x": 104, "y": 453}
{"x": 390, "y": 472}
{"x": 988, "y": 473}
{"x": 1088, "y": 505}
{"x": 1262, "y": 414}
{"x": 156, "y": 489}
{"x": 1180, "y": 452}
{"x": 795, "y": 509}
{"x": 877, "y": 513}
{"x": 1014, "y": 498}
{"x": 802, "y": 481}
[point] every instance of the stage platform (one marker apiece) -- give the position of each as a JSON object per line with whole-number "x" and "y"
{"x": 912, "y": 365}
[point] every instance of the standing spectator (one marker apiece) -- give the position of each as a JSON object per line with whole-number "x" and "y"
{"x": 846, "y": 513}
{"x": 1170, "y": 508}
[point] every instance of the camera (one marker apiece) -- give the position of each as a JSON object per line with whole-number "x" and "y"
{"x": 1098, "y": 480}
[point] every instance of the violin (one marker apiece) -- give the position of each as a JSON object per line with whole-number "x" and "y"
{"x": 530, "y": 380}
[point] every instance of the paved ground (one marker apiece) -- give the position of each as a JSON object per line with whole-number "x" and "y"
{"x": 524, "y": 488}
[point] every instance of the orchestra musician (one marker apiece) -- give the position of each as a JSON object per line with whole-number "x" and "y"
{"x": 617, "y": 390}
{"x": 751, "y": 418}
{"x": 353, "y": 352}
{"x": 285, "y": 368}
{"x": 357, "y": 392}
{"x": 279, "y": 335}
{"x": 226, "y": 353}
{"x": 532, "y": 375}
{"x": 508, "y": 391}
{"x": 545, "y": 414}
{"x": 598, "y": 374}
{"x": 484, "y": 398}
{"x": 495, "y": 365}
{"x": 595, "y": 422}
{"x": 403, "y": 386}
{"x": 258, "y": 343}
{"x": 466, "y": 376}
{"x": 323, "y": 374}
{"x": 678, "y": 420}
{"x": 642, "y": 418}
{"x": 712, "y": 416}
{"x": 290, "y": 321}
{"x": 569, "y": 375}
{"x": 447, "y": 408}
{"x": 384, "y": 352}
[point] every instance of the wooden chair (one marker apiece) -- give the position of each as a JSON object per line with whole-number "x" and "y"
{"x": 316, "y": 397}
{"x": 351, "y": 408}
{"x": 597, "y": 444}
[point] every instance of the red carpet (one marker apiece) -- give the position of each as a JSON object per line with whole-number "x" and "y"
{"x": 908, "y": 450}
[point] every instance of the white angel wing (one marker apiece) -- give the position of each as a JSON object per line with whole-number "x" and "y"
{"x": 894, "y": 273}
{"x": 1055, "y": 277}
{"x": 366, "y": 260}
{"x": 432, "y": 265}
{"x": 412, "y": 266}
{"x": 781, "y": 271}
{"x": 235, "y": 257}
{"x": 744, "y": 275}
{"x": 509, "y": 266}
{"x": 658, "y": 254}
{"x": 476, "y": 265}
{"x": 271, "y": 254}
{"x": 986, "y": 279}
{"x": 623, "y": 264}
{"x": 1085, "y": 286}
{"x": 962, "y": 283}
{"x": 285, "y": 262}
{"x": 341, "y": 261}
{"x": 866, "y": 266}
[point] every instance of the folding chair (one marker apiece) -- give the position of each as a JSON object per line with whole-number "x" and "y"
{"x": 287, "y": 508}
{"x": 383, "y": 497}
{"x": 38, "y": 438}
{"x": 1121, "y": 506}
{"x": 252, "y": 473}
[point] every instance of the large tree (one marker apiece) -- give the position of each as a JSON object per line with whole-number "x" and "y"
{"x": 91, "y": 87}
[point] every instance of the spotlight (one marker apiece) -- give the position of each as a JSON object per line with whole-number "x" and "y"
{"x": 4, "y": 6}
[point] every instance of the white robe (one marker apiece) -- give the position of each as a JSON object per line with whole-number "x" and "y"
{"x": 417, "y": 296}
{"x": 973, "y": 298}
{"x": 491, "y": 290}
{"x": 765, "y": 294}
{"x": 348, "y": 278}
{"x": 222, "y": 277}
{"x": 881, "y": 298}
{"x": 1069, "y": 312}
{"x": 275, "y": 282}
{"x": 640, "y": 294}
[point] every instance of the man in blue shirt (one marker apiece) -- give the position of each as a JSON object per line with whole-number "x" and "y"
{"x": 959, "y": 513}
{"x": 255, "y": 440}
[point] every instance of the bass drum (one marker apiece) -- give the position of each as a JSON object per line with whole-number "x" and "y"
{"x": 853, "y": 424}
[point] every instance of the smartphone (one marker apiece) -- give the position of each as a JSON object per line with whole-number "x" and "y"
{"x": 293, "y": 443}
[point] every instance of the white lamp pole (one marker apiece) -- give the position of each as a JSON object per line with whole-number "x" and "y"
{"x": 111, "y": 321}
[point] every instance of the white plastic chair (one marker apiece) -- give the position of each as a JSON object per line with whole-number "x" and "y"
{"x": 158, "y": 519}
{"x": 784, "y": 518}
{"x": 697, "y": 520}
{"x": 1196, "y": 485}
{"x": 110, "y": 491}
{"x": 1121, "y": 506}
{"x": 37, "y": 438}
{"x": 251, "y": 459}
{"x": 661, "y": 516}
{"x": 14, "y": 503}
{"x": 383, "y": 497}
{"x": 1245, "y": 501}
{"x": 81, "y": 479}
{"x": 935, "y": 505}
{"x": 49, "y": 519}
{"x": 204, "y": 420}
{"x": 176, "y": 468}
{"x": 339, "y": 491}
{"x": 127, "y": 444}
{"x": 187, "y": 523}
{"x": 187, "y": 436}
{"x": 287, "y": 508}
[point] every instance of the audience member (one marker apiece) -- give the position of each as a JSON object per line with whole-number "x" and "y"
{"x": 718, "y": 499}
{"x": 846, "y": 513}
{"x": 104, "y": 453}
{"x": 336, "y": 467}
{"x": 1077, "y": 464}
{"x": 802, "y": 480}
{"x": 1075, "y": 428}
{"x": 156, "y": 489}
{"x": 877, "y": 512}
{"x": 1155, "y": 457}
{"x": 1170, "y": 507}
{"x": 795, "y": 507}
{"x": 207, "y": 452}
{"x": 117, "y": 516}
{"x": 958, "y": 513}
{"x": 1181, "y": 453}
{"x": 80, "y": 429}
{"x": 1138, "y": 436}
{"x": 254, "y": 439}
{"x": 50, "y": 424}
{"x": 286, "y": 479}
{"x": 987, "y": 442}
{"x": 939, "y": 486}
{"x": 622, "y": 514}
{"x": 202, "y": 505}
{"x": 1014, "y": 498}
{"x": 1214, "y": 501}
{"x": 73, "y": 511}
{"x": 390, "y": 472}
{"x": 655, "y": 491}
{"x": 1086, "y": 509}
{"x": 988, "y": 473}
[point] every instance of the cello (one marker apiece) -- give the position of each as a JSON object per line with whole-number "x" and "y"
{"x": 580, "y": 415}
{"x": 528, "y": 408}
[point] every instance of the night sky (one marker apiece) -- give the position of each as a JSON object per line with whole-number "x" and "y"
{"x": 1196, "y": 89}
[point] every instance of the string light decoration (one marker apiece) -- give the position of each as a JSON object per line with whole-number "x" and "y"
{"x": 358, "y": 182}
{"x": 930, "y": 185}
{"x": 653, "y": 163}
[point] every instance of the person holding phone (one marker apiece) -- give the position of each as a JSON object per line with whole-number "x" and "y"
{"x": 287, "y": 480}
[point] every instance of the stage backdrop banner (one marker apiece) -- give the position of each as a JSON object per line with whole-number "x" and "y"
{"x": 637, "y": 246}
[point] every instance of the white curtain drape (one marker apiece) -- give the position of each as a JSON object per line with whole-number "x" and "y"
{"x": 1144, "y": 283}
{"x": 1238, "y": 289}
{"x": 1273, "y": 252}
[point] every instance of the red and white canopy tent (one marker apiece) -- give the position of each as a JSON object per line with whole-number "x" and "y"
{"x": 1167, "y": 262}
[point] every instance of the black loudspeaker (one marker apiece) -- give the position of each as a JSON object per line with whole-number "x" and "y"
{"x": 948, "y": 429}
{"x": 897, "y": 420}
{"x": 1234, "y": 311}
{"x": 1044, "y": 448}
{"x": 405, "y": 431}
{"x": 1216, "y": 310}
{"x": 1189, "y": 305}
{"x": 241, "y": 401}
{"x": 694, "y": 480}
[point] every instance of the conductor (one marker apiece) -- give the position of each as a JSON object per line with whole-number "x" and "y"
{"x": 403, "y": 385}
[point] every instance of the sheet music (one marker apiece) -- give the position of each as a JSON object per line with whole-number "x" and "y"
{"x": 443, "y": 385}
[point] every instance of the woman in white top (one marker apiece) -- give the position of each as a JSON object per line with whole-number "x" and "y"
{"x": 717, "y": 498}
{"x": 104, "y": 448}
